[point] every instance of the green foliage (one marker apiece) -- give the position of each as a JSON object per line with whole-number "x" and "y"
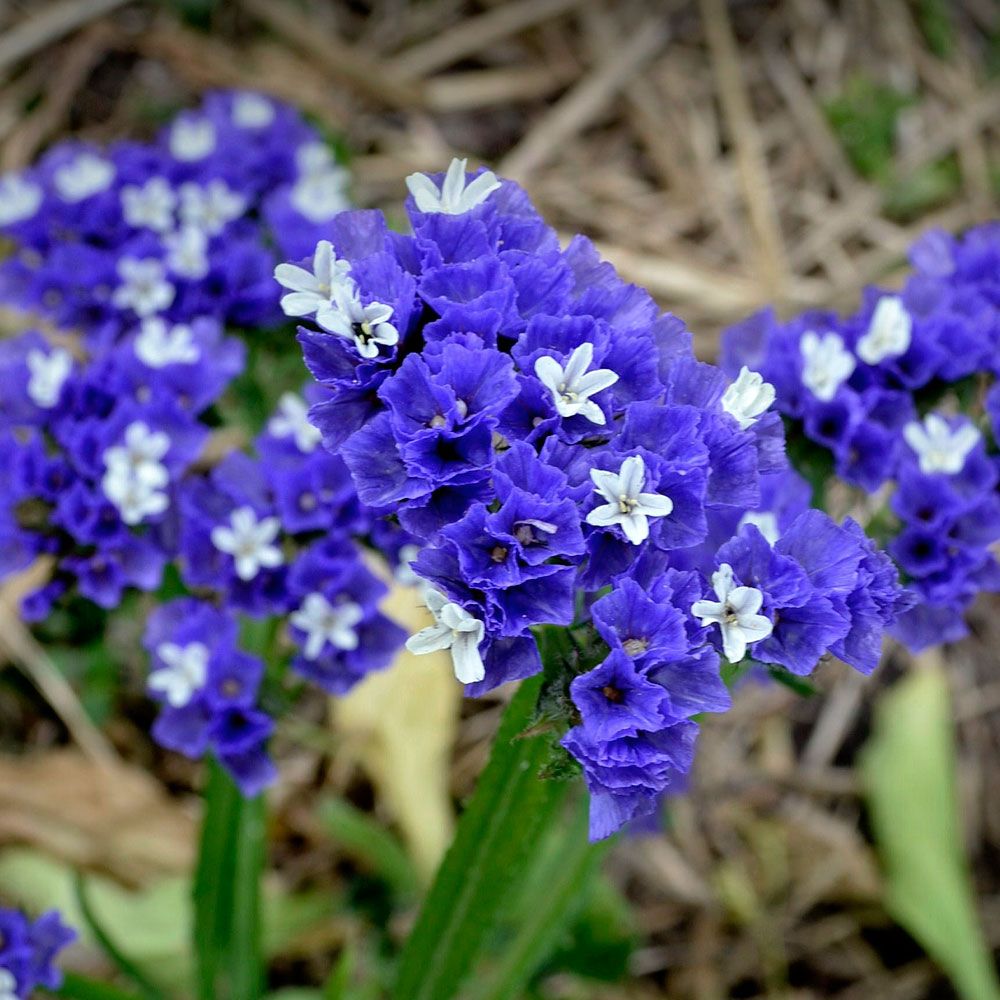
{"x": 77, "y": 987}
{"x": 227, "y": 935}
{"x": 909, "y": 773}
{"x": 934, "y": 21}
{"x": 489, "y": 862}
{"x": 864, "y": 118}
{"x": 363, "y": 838}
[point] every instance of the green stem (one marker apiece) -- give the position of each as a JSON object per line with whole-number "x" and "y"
{"x": 227, "y": 944}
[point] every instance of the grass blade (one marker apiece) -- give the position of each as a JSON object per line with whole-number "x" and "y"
{"x": 909, "y": 774}
{"x": 77, "y": 987}
{"x": 491, "y": 851}
{"x": 228, "y": 951}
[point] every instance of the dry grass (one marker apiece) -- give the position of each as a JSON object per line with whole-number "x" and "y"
{"x": 692, "y": 141}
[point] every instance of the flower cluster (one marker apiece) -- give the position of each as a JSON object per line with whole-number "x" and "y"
{"x": 890, "y": 393}
{"x": 179, "y": 228}
{"x": 548, "y": 439}
{"x": 27, "y": 953}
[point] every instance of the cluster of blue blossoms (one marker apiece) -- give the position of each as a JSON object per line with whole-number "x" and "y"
{"x": 27, "y": 952}
{"x": 110, "y": 467}
{"x": 894, "y": 393}
{"x": 549, "y": 440}
{"x": 187, "y": 226}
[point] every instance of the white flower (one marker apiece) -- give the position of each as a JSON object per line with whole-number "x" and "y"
{"x": 314, "y": 158}
{"x": 150, "y": 206}
{"x": 192, "y": 138}
{"x": 324, "y": 623}
{"x": 134, "y": 496}
{"x": 292, "y": 420}
{"x": 8, "y": 986}
{"x": 187, "y": 252}
{"x": 85, "y": 175}
{"x": 455, "y": 629}
{"x": 572, "y": 386}
{"x": 252, "y": 111}
{"x": 735, "y": 614}
{"x": 210, "y": 207}
{"x": 765, "y": 522}
{"x": 627, "y": 505}
{"x": 888, "y": 333}
{"x": 404, "y": 573}
{"x": 20, "y": 199}
{"x": 141, "y": 453}
{"x": 746, "y": 399}
{"x": 312, "y": 292}
{"x": 367, "y": 325}
{"x": 453, "y": 197}
{"x": 318, "y": 197}
{"x": 158, "y": 345}
{"x": 46, "y": 375}
{"x": 938, "y": 447}
{"x": 826, "y": 364}
{"x": 144, "y": 289}
{"x": 183, "y": 674}
{"x": 249, "y": 541}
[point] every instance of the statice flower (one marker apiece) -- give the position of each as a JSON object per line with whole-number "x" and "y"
{"x": 880, "y": 392}
{"x": 543, "y": 450}
{"x": 178, "y": 229}
{"x": 28, "y": 949}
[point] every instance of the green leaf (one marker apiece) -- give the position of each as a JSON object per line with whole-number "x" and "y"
{"x": 125, "y": 965}
{"x": 490, "y": 854}
{"x": 553, "y": 892}
{"x": 360, "y": 836}
{"x": 864, "y": 116}
{"x": 227, "y": 936}
{"x": 909, "y": 773}
{"x": 77, "y": 987}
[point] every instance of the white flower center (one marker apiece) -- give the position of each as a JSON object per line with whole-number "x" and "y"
{"x": 319, "y": 196}
{"x": 47, "y": 375}
{"x": 20, "y": 199}
{"x": 627, "y": 506}
{"x": 187, "y": 252}
{"x": 191, "y": 139}
{"x": 252, "y": 111}
{"x": 747, "y": 398}
{"x": 889, "y": 331}
{"x": 183, "y": 674}
{"x": 85, "y": 175}
{"x": 325, "y": 623}
{"x": 150, "y": 206}
{"x": 826, "y": 364}
{"x": 292, "y": 421}
{"x": 573, "y": 386}
{"x": 940, "y": 449}
{"x": 455, "y": 196}
{"x": 144, "y": 289}
{"x": 736, "y": 614}
{"x": 158, "y": 345}
{"x": 249, "y": 541}
{"x": 456, "y": 630}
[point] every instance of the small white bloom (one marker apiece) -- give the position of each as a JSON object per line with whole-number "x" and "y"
{"x": 826, "y": 364}
{"x": 136, "y": 497}
{"x": 572, "y": 386}
{"x": 46, "y": 375}
{"x": 314, "y": 158}
{"x": 889, "y": 331}
{"x": 140, "y": 454}
{"x": 938, "y": 447}
{"x": 404, "y": 571}
{"x": 312, "y": 292}
{"x": 210, "y": 207}
{"x": 292, "y": 420}
{"x": 158, "y": 345}
{"x": 454, "y": 197}
{"x": 184, "y": 672}
{"x": 324, "y": 623}
{"x": 191, "y": 138}
{"x": 8, "y": 986}
{"x": 367, "y": 325}
{"x": 20, "y": 199}
{"x": 249, "y": 541}
{"x": 454, "y": 629}
{"x": 252, "y": 111}
{"x": 144, "y": 289}
{"x": 765, "y": 522}
{"x": 187, "y": 252}
{"x": 627, "y": 505}
{"x": 735, "y": 614}
{"x": 748, "y": 398}
{"x": 318, "y": 197}
{"x": 85, "y": 175}
{"x": 150, "y": 206}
